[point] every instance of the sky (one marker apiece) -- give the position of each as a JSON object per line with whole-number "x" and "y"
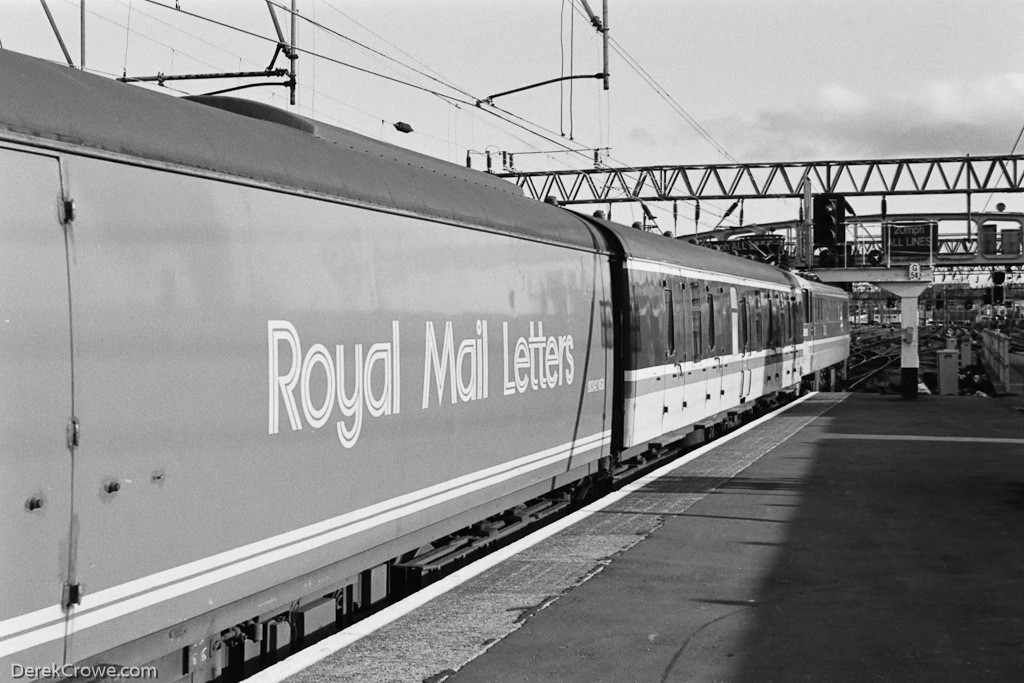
{"x": 746, "y": 80}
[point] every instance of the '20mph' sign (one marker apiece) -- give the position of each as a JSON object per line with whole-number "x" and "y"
{"x": 909, "y": 240}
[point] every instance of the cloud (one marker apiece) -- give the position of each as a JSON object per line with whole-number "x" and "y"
{"x": 642, "y": 136}
{"x": 839, "y": 100}
{"x": 934, "y": 119}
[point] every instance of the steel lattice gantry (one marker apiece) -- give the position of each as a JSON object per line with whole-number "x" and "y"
{"x": 920, "y": 176}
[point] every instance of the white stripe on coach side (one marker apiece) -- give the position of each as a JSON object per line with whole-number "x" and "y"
{"x": 309, "y": 656}
{"x": 185, "y": 578}
{"x": 706, "y": 363}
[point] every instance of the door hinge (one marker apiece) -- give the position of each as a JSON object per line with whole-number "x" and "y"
{"x": 73, "y": 432}
{"x": 71, "y": 595}
{"x": 67, "y": 213}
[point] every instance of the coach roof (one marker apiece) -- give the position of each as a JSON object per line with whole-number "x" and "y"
{"x": 639, "y": 244}
{"x": 51, "y": 101}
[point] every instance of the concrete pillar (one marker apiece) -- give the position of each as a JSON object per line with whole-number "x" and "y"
{"x": 909, "y": 360}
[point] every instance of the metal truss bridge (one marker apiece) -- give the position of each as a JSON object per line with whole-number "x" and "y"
{"x": 922, "y": 176}
{"x": 965, "y": 244}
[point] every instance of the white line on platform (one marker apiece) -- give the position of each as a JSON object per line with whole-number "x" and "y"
{"x": 914, "y": 437}
{"x": 314, "y": 653}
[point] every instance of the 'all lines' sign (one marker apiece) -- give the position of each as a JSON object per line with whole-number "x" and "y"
{"x": 911, "y": 239}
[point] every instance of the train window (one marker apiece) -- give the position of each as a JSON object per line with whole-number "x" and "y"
{"x": 711, "y": 321}
{"x": 698, "y": 332}
{"x": 778, "y": 322}
{"x": 808, "y": 311}
{"x": 758, "y": 322}
{"x": 771, "y": 320}
{"x": 670, "y": 323}
{"x": 793, "y": 319}
{"x": 744, "y": 326}
{"x": 607, "y": 327}
{"x": 697, "y": 318}
{"x": 784, "y": 328}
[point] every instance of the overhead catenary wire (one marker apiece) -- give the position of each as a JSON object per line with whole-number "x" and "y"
{"x": 312, "y": 53}
{"x": 561, "y": 72}
{"x": 174, "y": 51}
{"x": 342, "y": 36}
{"x": 635, "y": 65}
{"x": 441, "y": 80}
{"x": 391, "y": 45}
{"x": 438, "y": 79}
{"x": 572, "y": 68}
{"x": 192, "y": 36}
{"x": 494, "y": 111}
{"x": 506, "y": 117}
{"x": 466, "y": 99}
{"x": 1013, "y": 150}
{"x": 127, "y": 35}
{"x": 137, "y": 11}
{"x": 447, "y": 83}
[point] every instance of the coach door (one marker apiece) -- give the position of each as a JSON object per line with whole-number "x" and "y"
{"x": 674, "y": 409}
{"x": 740, "y": 342}
{"x": 35, "y": 411}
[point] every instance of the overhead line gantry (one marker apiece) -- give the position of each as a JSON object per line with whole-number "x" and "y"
{"x": 776, "y": 180}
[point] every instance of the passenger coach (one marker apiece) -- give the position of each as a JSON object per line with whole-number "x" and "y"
{"x": 249, "y": 362}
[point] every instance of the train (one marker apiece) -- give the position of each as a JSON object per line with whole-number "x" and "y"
{"x": 249, "y": 362}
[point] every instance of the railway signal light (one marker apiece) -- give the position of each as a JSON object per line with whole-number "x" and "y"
{"x": 829, "y": 220}
{"x": 998, "y": 278}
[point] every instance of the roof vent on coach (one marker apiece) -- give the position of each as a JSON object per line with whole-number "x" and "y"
{"x": 255, "y": 110}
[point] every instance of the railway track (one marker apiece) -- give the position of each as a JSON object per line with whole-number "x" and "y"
{"x": 1017, "y": 341}
{"x": 872, "y": 352}
{"x": 875, "y": 352}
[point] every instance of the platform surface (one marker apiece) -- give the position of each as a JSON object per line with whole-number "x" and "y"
{"x": 851, "y": 538}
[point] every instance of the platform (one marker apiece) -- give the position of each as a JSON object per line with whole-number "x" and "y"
{"x": 852, "y": 537}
